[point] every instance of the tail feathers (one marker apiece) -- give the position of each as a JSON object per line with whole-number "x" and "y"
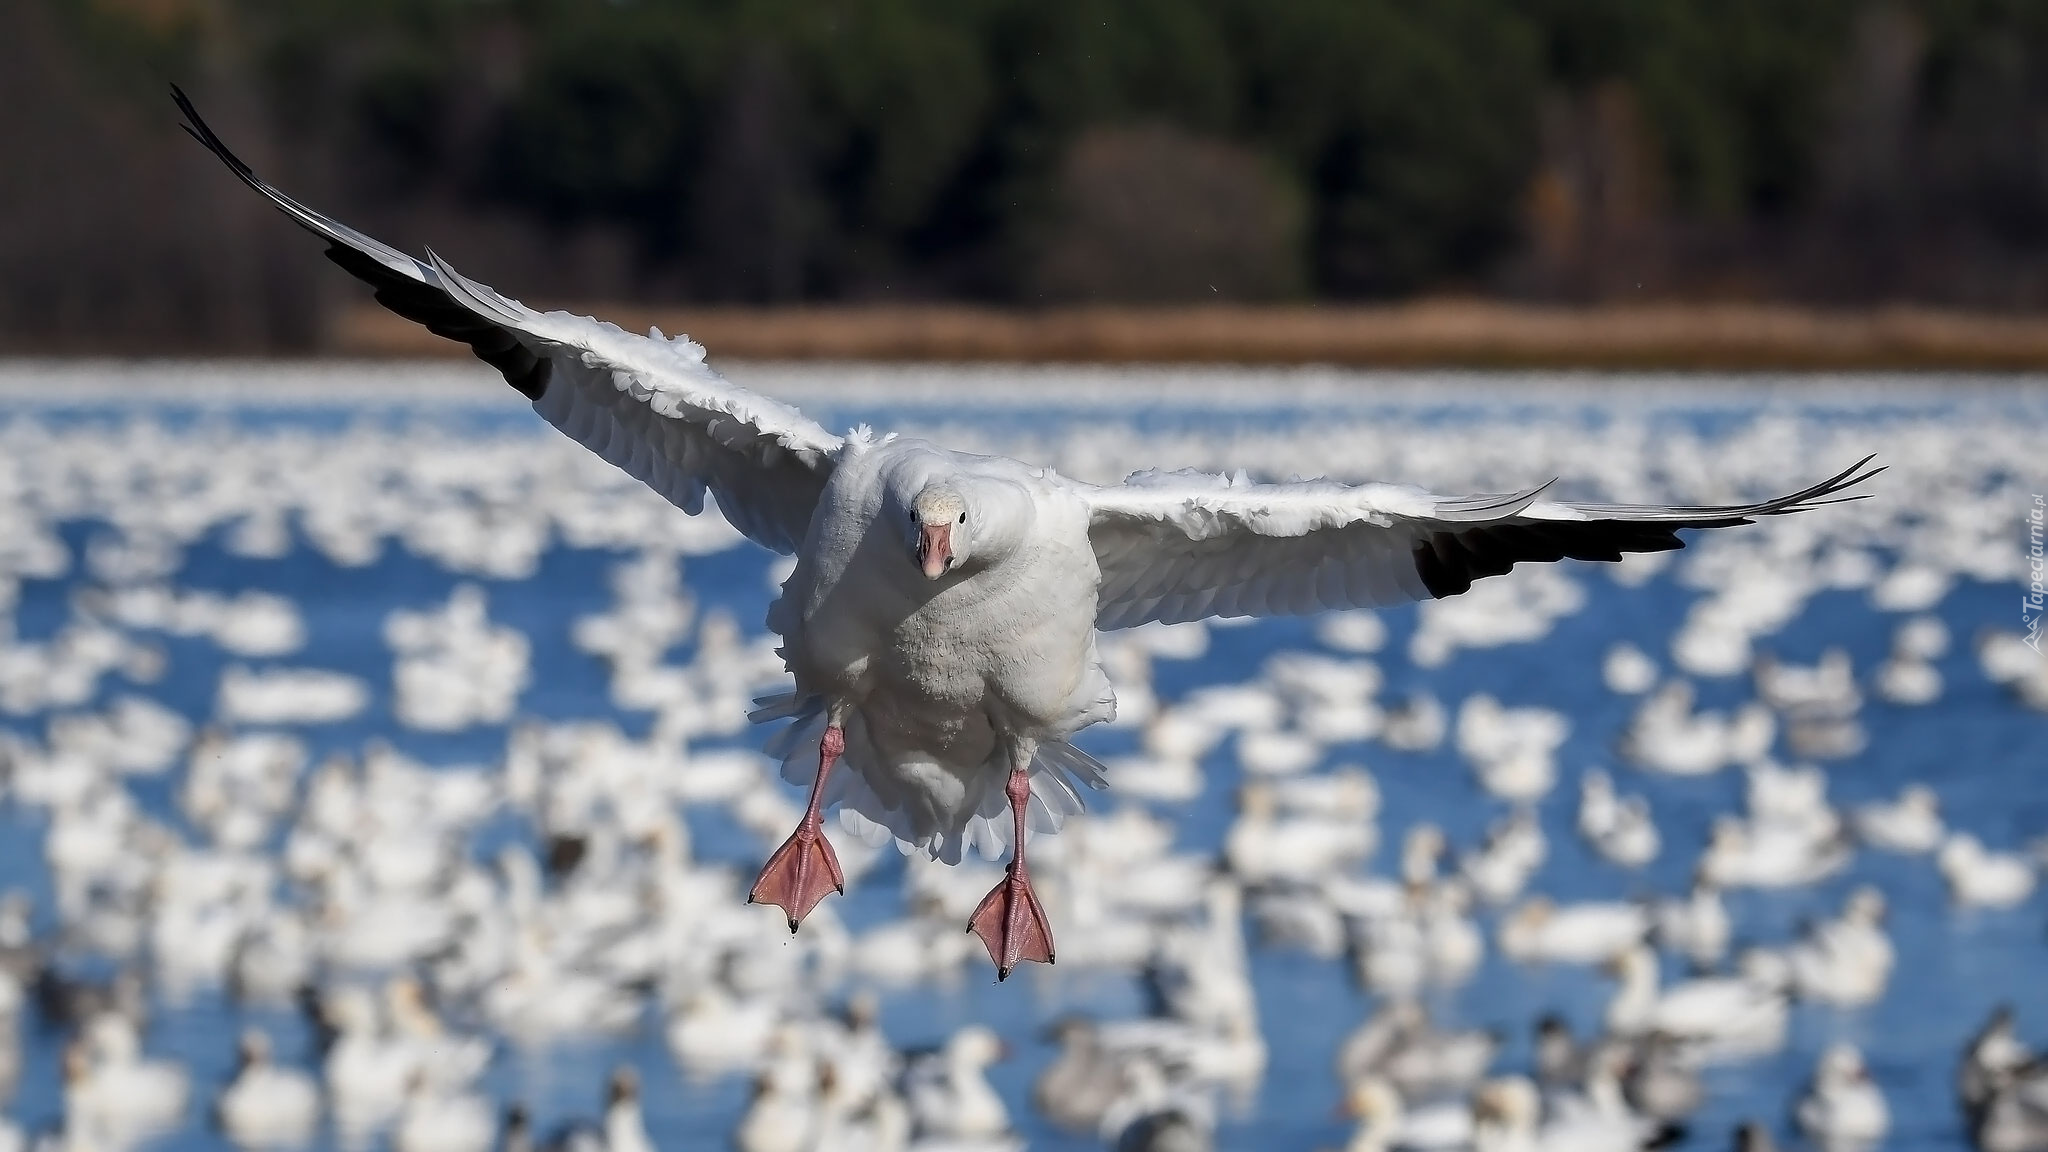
{"x": 1064, "y": 757}
{"x": 1060, "y": 772}
{"x": 779, "y": 706}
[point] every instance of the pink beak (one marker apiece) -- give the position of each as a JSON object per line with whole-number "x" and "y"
{"x": 935, "y": 549}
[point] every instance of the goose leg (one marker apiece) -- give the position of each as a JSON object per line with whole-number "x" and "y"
{"x": 805, "y": 868}
{"x": 1010, "y": 920}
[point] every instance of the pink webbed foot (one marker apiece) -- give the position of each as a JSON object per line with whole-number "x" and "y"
{"x": 800, "y": 873}
{"x": 805, "y": 868}
{"x": 1010, "y": 921}
{"x": 1012, "y": 924}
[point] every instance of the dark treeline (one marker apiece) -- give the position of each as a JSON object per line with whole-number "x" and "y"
{"x": 1023, "y": 151}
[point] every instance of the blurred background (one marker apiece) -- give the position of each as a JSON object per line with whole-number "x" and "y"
{"x": 374, "y": 764}
{"x": 776, "y": 152}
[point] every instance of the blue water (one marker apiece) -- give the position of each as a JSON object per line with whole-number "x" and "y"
{"x": 1981, "y": 751}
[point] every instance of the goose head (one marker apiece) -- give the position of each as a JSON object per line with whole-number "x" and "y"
{"x": 255, "y": 1049}
{"x": 1075, "y": 1035}
{"x": 1920, "y": 800}
{"x": 111, "y": 1039}
{"x": 406, "y": 1002}
{"x": 352, "y": 1011}
{"x": 1754, "y": 1137}
{"x": 1960, "y": 854}
{"x": 1256, "y": 803}
{"x": 938, "y": 523}
{"x": 1374, "y": 1104}
{"x": 1866, "y": 907}
{"x": 1841, "y": 1066}
{"x": 1632, "y": 966}
{"x": 517, "y": 1133}
{"x": 1508, "y": 1105}
{"x": 1531, "y": 916}
{"x": 16, "y": 907}
{"x": 1557, "y": 1050}
{"x": 77, "y": 1067}
{"x": 974, "y": 1047}
{"x": 1728, "y": 837}
{"x": 1704, "y": 886}
{"x": 624, "y": 1087}
{"x": 957, "y": 520}
{"x": 1420, "y": 853}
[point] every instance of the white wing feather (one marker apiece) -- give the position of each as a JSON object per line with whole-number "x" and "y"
{"x": 647, "y": 404}
{"x": 652, "y": 407}
{"x": 1182, "y": 546}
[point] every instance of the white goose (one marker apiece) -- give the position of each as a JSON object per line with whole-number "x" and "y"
{"x": 1514, "y": 849}
{"x": 1696, "y": 926}
{"x": 625, "y": 1130}
{"x": 1510, "y": 1119}
{"x": 266, "y": 1106}
{"x": 1387, "y": 1124}
{"x": 1979, "y": 877}
{"x": 782, "y": 1115}
{"x": 1847, "y": 960}
{"x": 1541, "y": 931}
{"x": 1768, "y": 855}
{"x": 1400, "y": 1045}
{"x": 1628, "y": 671}
{"x": 940, "y": 618}
{"x": 1843, "y": 1111}
{"x": 115, "y": 1093}
{"x": 1263, "y": 846}
{"x": 434, "y": 1120}
{"x": 1417, "y": 724}
{"x": 1618, "y": 827}
{"x": 714, "y": 1032}
{"x": 1911, "y": 824}
{"x": 1726, "y": 1014}
{"x": 949, "y": 1093}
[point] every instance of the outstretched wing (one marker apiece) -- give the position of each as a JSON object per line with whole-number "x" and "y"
{"x": 1182, "y": 546}
{"x": 647, "y": 404}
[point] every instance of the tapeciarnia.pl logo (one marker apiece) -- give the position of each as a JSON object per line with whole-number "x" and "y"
{"x": 2037, "y": 570}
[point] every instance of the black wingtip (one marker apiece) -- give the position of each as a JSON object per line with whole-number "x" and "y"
{"x": 196, "y": 127}
{"x": 1828, "y": 491}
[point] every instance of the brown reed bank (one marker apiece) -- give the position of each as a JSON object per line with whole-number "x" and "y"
{"x": 1437, "y": 333}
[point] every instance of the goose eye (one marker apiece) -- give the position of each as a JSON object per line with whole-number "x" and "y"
{"x": 963, "y": 517}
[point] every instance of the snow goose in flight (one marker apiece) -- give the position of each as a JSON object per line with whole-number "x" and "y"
{"x": 940, "y": 618}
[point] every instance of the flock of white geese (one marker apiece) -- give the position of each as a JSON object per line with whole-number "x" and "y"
{"x": 347, "y": 882}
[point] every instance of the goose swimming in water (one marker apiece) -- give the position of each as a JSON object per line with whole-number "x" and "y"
{"x": 1387, "y": 1124}
{"x": 1420, "y": 1061}
{"x": 1911, "y": 824}
{"x": 1843, "y": 1111}
{"x": 1730, "y": 1014}
{"x": 1992, "y": 1058}
{"x": 949, "y": 1092}
{"x": 267, "y": 1106}
{"x": 1979, "y": 877}
{"x": 940, "y": 618}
